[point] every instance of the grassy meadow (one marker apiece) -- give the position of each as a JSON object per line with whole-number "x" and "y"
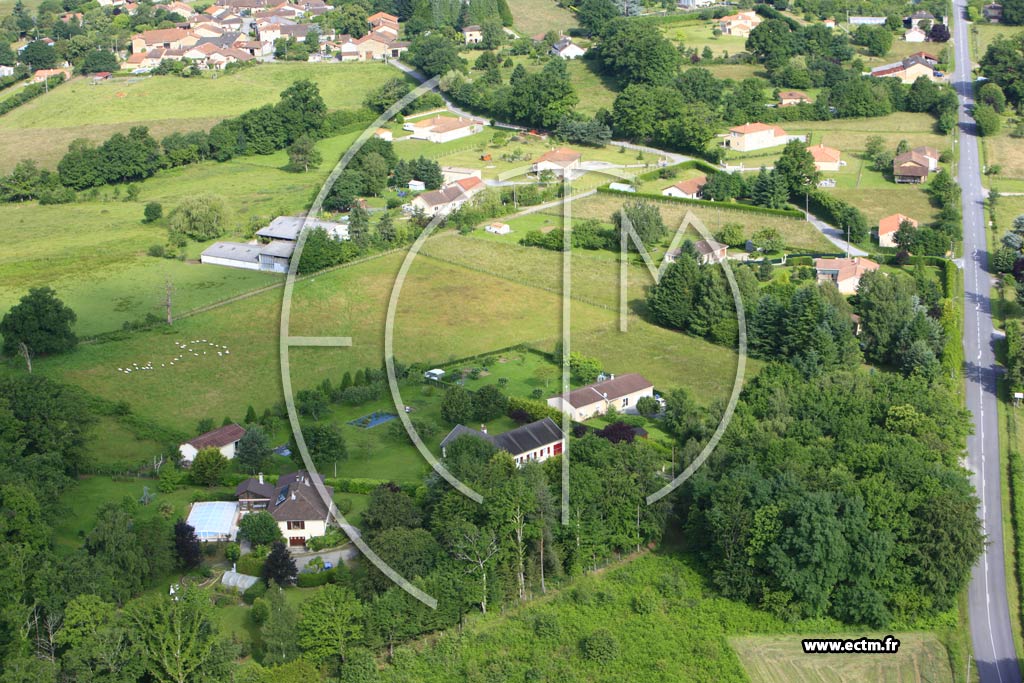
{"x": 530, "y": 17}
{"x": 94, "y": 252}
{"x": 780, "y": 659}
{"x": 43, "y": 128}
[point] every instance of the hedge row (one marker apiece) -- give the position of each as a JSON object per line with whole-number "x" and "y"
{"x": 537, "y": 410}
{"x": 699, "y": 164}
{"x": 29, "y": 93}
{"x": 1016, "y": 466}
{"x": 340, "y": 484}
{"x": 728, "y": 206}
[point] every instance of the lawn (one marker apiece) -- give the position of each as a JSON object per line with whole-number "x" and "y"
{"x": 88, "y": 494}
{"x": 781, "y": 659}
{"x": 44, "y": 127}
{"x": 100, "y": 267}
{"x": 797, "y": 234}
{"x": 982, "y": 35}
{"x": 1008, "y": 153}
{"x": 698, "y": 35}
{"x": 530, "y": 17}
{"x": 111, "y": 445}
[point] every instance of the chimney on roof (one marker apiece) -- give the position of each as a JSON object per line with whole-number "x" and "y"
{"x": 293, "y": 495}
{"x": 261, "y": 477}
{"x": 306, "y": 481}
{"x": 483, "y": 428}
{"x": 611, "y": 376}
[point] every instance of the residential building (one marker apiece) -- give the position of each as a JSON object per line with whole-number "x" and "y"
{"x": 499, "y": 228}
{"x": 622, "y": 392}
{"x": 829, "y": 23}
{"x": 384, "y": 134}
{"x": 911, "y": 167}
{"x": 694, "y": 4}
{"x": 789, "y": 98}
{"x": 708, "y": 251}
{"x": 294, "y": 502}
{"x": 915, "y": 35}
{"x": 167, "y": 38}
{"x": 754, "y": 136}
{"x": 889, "y": 226}
{"x": 919, "y": 16}
{"x": 931, "y": 154}
{"x": 448, "y": 199}
{"x": 559, "y": 161}
{"x": 826, "y": 159}
{"x": 686, "y": 189}
{"x": 443, "y": 128}
{"x": 223, "y": 439}
{"x": 993, "y": 12}
{"x": 379, "y": 46}
{"x": 566, "y": 49}
{"x": 472, "y": 35}
{"x": 844, "y": 272}
{"x": 740, "y": 24}
{"x": 908, "y": 70}
{"x": 928, "y": 57}
{"x": 41, "y": 75}
{"x": 533, "y": 442}
{"x": 6, "y": 71}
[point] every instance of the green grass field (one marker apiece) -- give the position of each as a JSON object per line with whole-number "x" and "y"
{"x": 698, "y": 34}
{"x": 43, "y": 128}
{"x": 98, "y": 264}
{"x": 530, "y": 17}
{"x": 781, "y": 659}
{"x": 797, "y": 234}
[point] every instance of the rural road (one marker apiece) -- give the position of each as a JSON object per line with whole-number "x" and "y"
{"x": 988, "y": 608}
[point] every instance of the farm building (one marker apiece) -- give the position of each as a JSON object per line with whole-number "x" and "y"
{"x": 498, "y": 228}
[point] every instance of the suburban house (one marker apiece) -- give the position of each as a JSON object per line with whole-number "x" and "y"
{"x": 993, "y": 11}
{"x": 443, "y": 128}
{"x": 379, "y": 45}
{"x": 566, "y": 49}
{"x": 686, "y": 189}
{"x": 740, "y": 24}
{"x": 533, "y": 442}
{"x": 40, "y": 75}
{"x": 915, "y": 35}
{"x": 622, "y": 392}
{"x": 829, "y": 23}
{"x": 844, "y": 272}
{"x": 889, "y": 226}
{"x": 708, "y": 251}
{"x": 168, "y": 38}
{"x": 929, "y": 153}
{"x": 448, "y": 199}
{"x": 559, "y": 161}
{"x": 908, "y": 70}
{"x": 827, "y": 159}
{"x": 294, "y": 502}
{"x": 754, "y": 136}
{"x": 223, "y": 438}
{"x": 913, "y": 167}
{"x": 472, "y": 35}
{"x": 384, "y": 134}
{"x": 789, "y": 98}
{"x": 383, "y": 24}
{"x": 498, "y": 228}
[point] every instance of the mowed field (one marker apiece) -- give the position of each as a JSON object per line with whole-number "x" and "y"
{"x": 922, "y": 658}
{"x": 446, "y": 311}
{"x": 797, "y": 234}
{"x": 43, "y": 128}
{"x": 530, "y": 17}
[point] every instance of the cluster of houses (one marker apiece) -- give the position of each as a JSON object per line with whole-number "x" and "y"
{"x": 241, "y": 30}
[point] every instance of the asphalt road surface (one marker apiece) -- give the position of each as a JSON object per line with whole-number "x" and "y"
{"x": 987, "y": 603}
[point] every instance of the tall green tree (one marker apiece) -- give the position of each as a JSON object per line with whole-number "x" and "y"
{"x": 331, "y": 621}
{"x": 40, "y": 321}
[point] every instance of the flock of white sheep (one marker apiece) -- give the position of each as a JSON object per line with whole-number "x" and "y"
{"x": 196, "y": 348}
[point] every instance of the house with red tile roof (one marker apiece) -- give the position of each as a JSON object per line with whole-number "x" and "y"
{"x": 845, "y": 273}
{"x": 827, "y": 159}
{"x": 558, "y": 161}
{"x": 754, "y": 136}
{"x": 889, "y": 226}
{"x": 686, "y": 189}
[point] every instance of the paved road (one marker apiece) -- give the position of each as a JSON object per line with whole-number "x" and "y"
{"x": 989, "y": 611}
